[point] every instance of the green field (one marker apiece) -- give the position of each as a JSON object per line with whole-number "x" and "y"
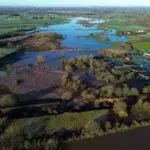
{"x": 6, "y": 51}
{"x": 52, "y": 124}
{"x": 124, "y": 22}
{"x": 141, "y": 37}
{"x": 140, "y": 42}
{"x": 142, "y": 46}
{"x": 23, "y": 22}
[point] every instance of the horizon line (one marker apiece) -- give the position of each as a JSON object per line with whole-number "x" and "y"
{"x": 76, "y": 6}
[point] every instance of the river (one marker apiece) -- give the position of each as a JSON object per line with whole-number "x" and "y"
{"x": 137, "y": 139}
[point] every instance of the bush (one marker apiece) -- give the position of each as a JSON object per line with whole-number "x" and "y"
{"x": 73, "y": 120}
{"x": 120, "y": 108}
{"x": 67, "y": 95}
{"x": 118, "y": 92}
{"x": 91, "y": 128}
{"x": 134, "y": 92}
{"x": 125, "y": 91}
{"x": 8, "y": 101}
{"x": 141, "y": 109}
{"x": 52, "y": 144}
{"x": 68, "y": 68}
{"x": 4, "y": 89}
{"x": 66, "y": 78}
{"x": 40, "y": 59}
{"x": 88, "y": 96}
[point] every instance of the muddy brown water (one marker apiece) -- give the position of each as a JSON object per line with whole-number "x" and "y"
{"x": 138, "y": 139}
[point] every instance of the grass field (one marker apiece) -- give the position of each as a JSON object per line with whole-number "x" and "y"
{"x": 140, "y": 42}
{"x": 54, "y": 123}
{"x": 141, "y": 37}
{"x": 22, "y": 22}
{"x": 6, "y": 51}
{"x": 122, "y": 22}
{"x": 142, "y": 46}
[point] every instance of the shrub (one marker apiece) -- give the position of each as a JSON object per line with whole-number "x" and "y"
{"x": 8, "y": 101}
{"x": 66, "y": 78}
{"x": 17, "y": 82}
{"x": 52, "y": 144}
{"x": 141, "y": 109}
{"x": 134, "y": 92}
{"x": 118, "y": 92}
{"x": 91, "y": 128}
{"x": 145, "y": 90}
{"x": 130, "y": 76}
{"x": 88, "y": 96}
{"x": 4, "y": 89}
{"x": 3, "y": 123}
{"x": 68, "y": 68}
{"x": 120, "y": 108}
{"x": 73, "y": 120}
{"x": 3, "y": 74}
{"x": 40, "y": 59}
{"x": 67, "y": 95}
{"x": 125, "y": 91}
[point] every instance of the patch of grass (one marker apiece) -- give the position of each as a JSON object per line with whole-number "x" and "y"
{"x": 17, "y": 127}
{"x": 142, "y": 46}
{"x": 102, "y": 39}
{"x": 25, "y": 22}
{"x": 8, "y": 101}
{"x": 124, "y": 22}
{"x": 6, "y": 51}
{"x": 73, "y": 120}
{"x": 123, "y": 28}
{"x": 42, "y": 41}
{"x": 135, "y": 38}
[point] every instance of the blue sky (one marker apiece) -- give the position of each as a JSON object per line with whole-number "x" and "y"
{"x": 75, "y": 2}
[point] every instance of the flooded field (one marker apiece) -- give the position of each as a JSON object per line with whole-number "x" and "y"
{"x": 75, "y": 41}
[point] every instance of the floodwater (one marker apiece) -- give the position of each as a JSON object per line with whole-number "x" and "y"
{"x": 137, "y": 139}
{"x": 75, "y": 40}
